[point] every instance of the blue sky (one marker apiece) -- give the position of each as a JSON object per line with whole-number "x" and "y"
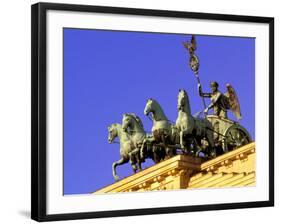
{"x": 108, "y": 73}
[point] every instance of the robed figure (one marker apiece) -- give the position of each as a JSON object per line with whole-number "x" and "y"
{"x": 220, "y": 102}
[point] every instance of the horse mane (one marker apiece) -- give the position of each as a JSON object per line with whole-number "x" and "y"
{"x": 156, "y": 103}
{"x": 159, "y": 108}
{"x": 114, "y": 125}
{"x": 136, "y": 118}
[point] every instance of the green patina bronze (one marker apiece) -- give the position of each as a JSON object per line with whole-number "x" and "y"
{"x": 126, "y": 147}
{"x": 211, "y": 135}
{"x": 191, "y": 128}
{"x": 132, "y": 125}
{"x": 161, "y": 132}
{"x": 220, "y": 102}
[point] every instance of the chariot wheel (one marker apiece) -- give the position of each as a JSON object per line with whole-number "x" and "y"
{"x": 234, "y": 137}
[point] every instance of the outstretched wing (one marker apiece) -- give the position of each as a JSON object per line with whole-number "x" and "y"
{"x": 233, "y": 101}
{"x": 186, "y": 45}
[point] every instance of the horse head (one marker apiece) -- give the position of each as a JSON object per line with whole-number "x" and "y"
{"x": 132, "y": 123}
{"x": 182, "y": 96}
{"x": 183, "y": 102}
{"x": 112, "y": 133}
{"x": 149, "y": 107}
{"x": 126, "y": 122}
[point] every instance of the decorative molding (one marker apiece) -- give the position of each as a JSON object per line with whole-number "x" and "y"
{"x": 235, "y": 168}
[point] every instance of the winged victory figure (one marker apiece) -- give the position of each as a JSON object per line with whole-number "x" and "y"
{"x": 220, "y": 103}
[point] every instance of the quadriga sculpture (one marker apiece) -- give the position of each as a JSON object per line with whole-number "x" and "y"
{"x": 190, "y": 134}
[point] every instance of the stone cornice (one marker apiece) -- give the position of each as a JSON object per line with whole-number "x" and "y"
{"x": 154, "y": 173}
{"x": 175, "y": 173}
{"x": 229, "y": 157}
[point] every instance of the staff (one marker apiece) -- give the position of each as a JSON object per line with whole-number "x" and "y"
{"x": 194, "y": 61}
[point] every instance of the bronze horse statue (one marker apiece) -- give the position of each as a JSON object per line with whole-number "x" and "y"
{"x": 161, "y": 132}
{"x": 191, "y": 128}
{"x": 126, "y": 147}
{"x": 133, "y": 125}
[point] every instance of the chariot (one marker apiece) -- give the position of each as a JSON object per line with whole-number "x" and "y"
{"x": 228, "y": 134}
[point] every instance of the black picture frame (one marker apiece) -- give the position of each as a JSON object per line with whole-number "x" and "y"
{"x": 38, "y": 108}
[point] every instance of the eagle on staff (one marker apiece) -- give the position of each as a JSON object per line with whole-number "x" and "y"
{"x": 193, "y": 60}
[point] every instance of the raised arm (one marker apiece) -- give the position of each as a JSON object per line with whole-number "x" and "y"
{"x": 208, "y": 95}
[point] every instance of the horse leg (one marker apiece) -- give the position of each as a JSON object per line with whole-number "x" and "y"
{"x": 136, "y": 155}
{"x": 138, "y": 158}
{"x": 212, "y": 148}
{"x": 166, "y": 149}
{"x": 135, "y": 152}
{"x": 156, "y": 155}
{"x": 115, "y": 164}
{"x": 198, "y": 147}
{"x": 139, "y": 162}
{"x": 187, "y": 149}
{"x": 181, "y": 140}
{"x": 133, "y": 165}
{"x": 169, "y": 151}
{"x": 142, "y": 149}
{"x": 185, "y": 142}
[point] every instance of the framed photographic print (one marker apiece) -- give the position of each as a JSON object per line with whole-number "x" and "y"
{"x": 139, "y": 111}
